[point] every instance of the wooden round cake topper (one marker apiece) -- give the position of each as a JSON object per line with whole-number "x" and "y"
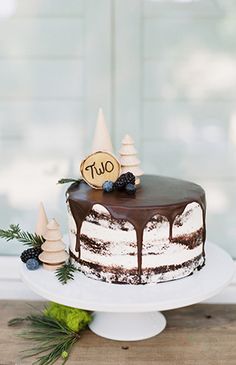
{"x": 100, "y": 167}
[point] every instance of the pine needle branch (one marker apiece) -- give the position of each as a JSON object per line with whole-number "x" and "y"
{"x": 53, "y": 331}
{"x": 68, "y": 180}
{"x": 11, "y": 233}
{"x": 16, "y": 321}
{"x": 66, "y": 273}
{"x": 15, "y": 232}
{"x": 54, "y": 339}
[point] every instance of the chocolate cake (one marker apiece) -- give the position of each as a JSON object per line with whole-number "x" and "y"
{"x": 156, "y": 235}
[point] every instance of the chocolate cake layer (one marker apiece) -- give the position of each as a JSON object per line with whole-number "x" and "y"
{"x": 119, "y": 276}
{"x": 162, "y": 226}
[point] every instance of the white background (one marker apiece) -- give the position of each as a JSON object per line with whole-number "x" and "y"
{"x": 163, "y": 71}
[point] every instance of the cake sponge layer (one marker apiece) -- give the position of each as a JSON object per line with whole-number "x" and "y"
{"x": 109, "y": 252}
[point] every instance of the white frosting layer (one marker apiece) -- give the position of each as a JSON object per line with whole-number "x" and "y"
{"x": 106, "y": 234}
{"x": 121, "y": 248}
{"x": 170, "y": 254}
{"x": 191, "y": 220}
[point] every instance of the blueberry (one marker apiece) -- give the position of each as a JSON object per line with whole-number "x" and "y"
{"x": 130, "y": 189}
{"x": 32, "y": 264}
{"x": 108, "y": 186}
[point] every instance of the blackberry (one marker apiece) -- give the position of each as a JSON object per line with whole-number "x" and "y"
{"x": 120, "y": 182}
{"x": 30, "y": 253}
{"x": 130, "y": 178}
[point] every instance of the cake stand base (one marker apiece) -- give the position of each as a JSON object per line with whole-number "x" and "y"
{"x": 127, "y": 326}
{"x": 130, "y": 312}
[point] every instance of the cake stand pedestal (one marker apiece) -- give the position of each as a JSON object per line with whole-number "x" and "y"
{"x": 130, "y": 312}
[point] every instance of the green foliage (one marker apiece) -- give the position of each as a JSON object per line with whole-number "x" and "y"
{"x": 54, "y": 332}
{"x": 15, "y": 232}
{"x": 66, "y": 272}
{"x": 67, "y": 181}
{"x": 52, "y": 339}
{"x": 75, "y": 319}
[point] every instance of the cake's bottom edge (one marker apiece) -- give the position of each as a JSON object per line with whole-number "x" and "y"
{"x": 117, "y": 275}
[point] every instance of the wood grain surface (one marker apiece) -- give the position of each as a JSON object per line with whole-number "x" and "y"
{"x": 197, "y": 335}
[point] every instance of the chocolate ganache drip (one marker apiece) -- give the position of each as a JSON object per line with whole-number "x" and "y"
{"x": 156, "y": 195}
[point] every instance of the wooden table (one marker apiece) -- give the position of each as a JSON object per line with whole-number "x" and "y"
{"x": 197, "y": 335}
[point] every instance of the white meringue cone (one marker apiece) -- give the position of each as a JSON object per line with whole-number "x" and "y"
{"x": 128, "y": 157}
{"x": 127, "y": 140}
{"x": 134, "y": 169}
{"x": 127, "y": 150}
{"x": 102, "y": 139}
{"x": 129, "y": 161}
{"x": 42, "y": 221}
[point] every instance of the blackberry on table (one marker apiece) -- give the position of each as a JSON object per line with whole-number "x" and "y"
{"x": 30, "y": 253}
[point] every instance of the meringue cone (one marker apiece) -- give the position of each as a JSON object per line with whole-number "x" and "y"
{"x": 102, "y": 139}
{"x": 42, "y": 221}
{"x": 54, "y": 254}
{"x": 128, "y": 158}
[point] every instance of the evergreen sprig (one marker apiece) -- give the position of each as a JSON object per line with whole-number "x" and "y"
{"x": 27, "y": 238}
{"x": 66, "y": 273}
{"x": 54, "y": 339}
{"x": 68, "y": 180}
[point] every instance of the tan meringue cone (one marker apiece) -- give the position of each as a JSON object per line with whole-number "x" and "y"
{"x": 42, "y": 221}
{"x": 53, "y": 257}
{"x": 53, "y": 246}
{"x": 54, "y": 254}
{"x": 52, "y": 267}
{"x": 137, "y": 181}
{"x": 52, "y": 224}
{"x": 52, "y": 235}
{"x": 102, "y": 139}
{"x": 53, "y": 231}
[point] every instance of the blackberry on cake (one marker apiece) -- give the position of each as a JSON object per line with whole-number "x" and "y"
{"x": 120, "y": 183}
{"x": 130, "y": 178}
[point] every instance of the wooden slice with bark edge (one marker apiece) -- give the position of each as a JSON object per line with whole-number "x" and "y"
{"x": 100, "y": 167}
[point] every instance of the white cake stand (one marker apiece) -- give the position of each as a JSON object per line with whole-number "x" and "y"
{"x": 130, "y": 312}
